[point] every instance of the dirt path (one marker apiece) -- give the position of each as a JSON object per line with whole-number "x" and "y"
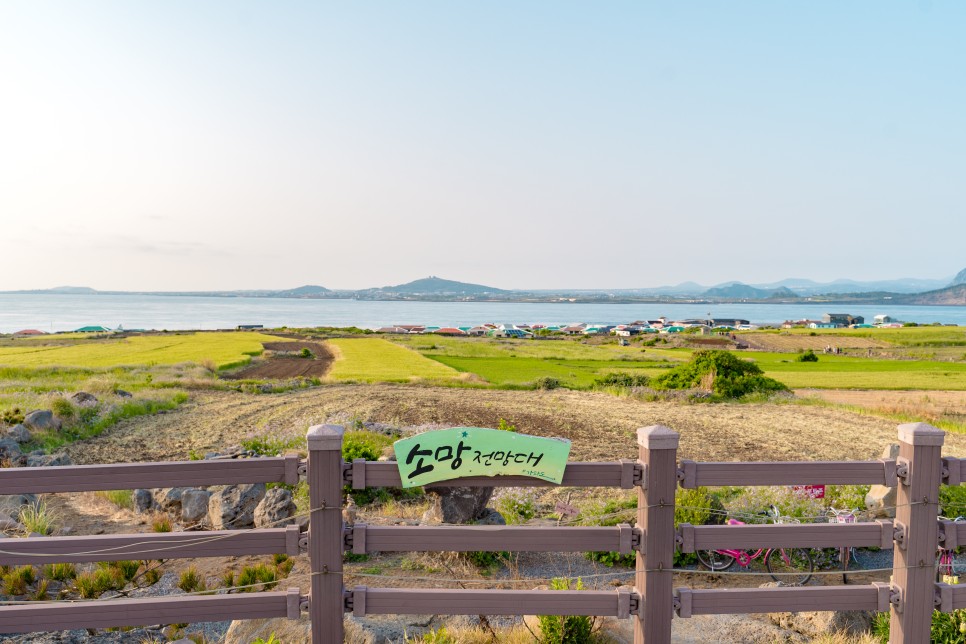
{"x": 602, "y": 426}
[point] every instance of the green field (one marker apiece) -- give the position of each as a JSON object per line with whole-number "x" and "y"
{"x": 577, "y": 364}
{"x": 507, "y": 371}
{"x": 919, "y": 336}
{"x": 223, "y": 349}
{"x": 376, "y": 360}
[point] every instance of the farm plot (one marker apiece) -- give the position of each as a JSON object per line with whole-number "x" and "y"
{"x": 376, "y": 360}
{"x": 794, "y": 342}
{"x": 523, "y": 371}
{"x": 842, "y": 372}
{"x": 289, "y": 360}
{"x": 223, "y": 349}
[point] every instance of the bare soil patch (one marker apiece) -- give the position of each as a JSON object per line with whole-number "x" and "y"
{"x": 793, "y": 342}
{"x": 288, "y": 365}
{"x": 601, "y": 426}
{"x": 930, "y": 405}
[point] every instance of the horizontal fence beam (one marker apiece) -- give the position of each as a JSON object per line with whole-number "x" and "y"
{"x": 952, "y": 534}
{"x": 154, "y": 545}
{"x": 369, "y": 539}
{"x": 785, "y": 535}
{"x": 951, "y": 597}
{"x": 953, "y": 470}
{"x": 735, "y": 601}
{"x": 882, "y": 472}
{"x": 130, "y": 476}
{"x": 56, "y": 616}
{"x": 620, "y": 474}
{"x": 409, "y": 601}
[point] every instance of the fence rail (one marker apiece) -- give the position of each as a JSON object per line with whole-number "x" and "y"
{"x": 910, "y": 596}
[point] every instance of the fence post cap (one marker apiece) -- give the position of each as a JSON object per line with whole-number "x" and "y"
{"x": 921, "y": 434}
{"x": 658, "y": 437}
{"x": 325, "y": 437}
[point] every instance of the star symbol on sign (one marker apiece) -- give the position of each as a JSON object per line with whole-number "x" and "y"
{"x": 465, "y": 434}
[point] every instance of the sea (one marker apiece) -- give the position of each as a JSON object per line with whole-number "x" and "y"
{"x": 67, "y": 312}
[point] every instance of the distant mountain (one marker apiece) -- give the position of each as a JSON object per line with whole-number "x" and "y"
{"x": 739, "y": 291}
{"x": 960, "y": 278}
{"x": 437, "y": 286}
{"x": 954, "y": 295}
{"x": 902, "y": 285}
{"x": 302, "y": 291}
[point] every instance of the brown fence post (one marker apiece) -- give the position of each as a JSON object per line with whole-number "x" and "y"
{"x": 324, "y": 476}
{"x": 917, "y": 507}
{"x": 655, "y": 516}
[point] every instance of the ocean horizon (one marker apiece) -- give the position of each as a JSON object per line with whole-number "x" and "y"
{"x": 59, "y": 312}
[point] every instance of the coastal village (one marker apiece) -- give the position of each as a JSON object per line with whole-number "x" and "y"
{"x": 638, "y": 327}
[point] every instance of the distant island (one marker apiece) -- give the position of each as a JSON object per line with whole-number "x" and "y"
{"x": 908, "y": 291}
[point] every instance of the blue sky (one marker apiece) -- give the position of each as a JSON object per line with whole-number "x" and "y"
{"x": 218, "y": 145}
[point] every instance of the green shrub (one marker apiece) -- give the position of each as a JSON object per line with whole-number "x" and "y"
{"x": 622, "y": 379}
{"x": 517, "y": 507}
{"x": 271, "y": 445}
{"x": 63, "y": 408}
{"x": 807, "y": 356}
{"x": 306, "y": 353}
{"x": 60, "y": 571}
{"x": 750, "y": 503}
{"x": 723, "y": 373}
{"x": 37, "y": 518}
{"x": 191, "y": 581}
{"x": 505, "y": 426}
{"x": 566, "y": 629}
{"x": 952, "y": 500}
{"x": 121, "y": 498}
{"x": 367, "y": 445}
{"x": 547, "y": 383}
{"x": 440, "y": 636}
{"x": 946, "y": 628}
{"x": 485, "y": 560}
{"x": 16, "y": 581}
{"x": 12, "y": 416}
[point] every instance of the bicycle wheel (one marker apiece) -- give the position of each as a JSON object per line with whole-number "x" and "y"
{"x": 790, "y": 566}
{"x": 714, "y": 560}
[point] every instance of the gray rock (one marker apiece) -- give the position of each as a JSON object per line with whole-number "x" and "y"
{"x": 9, "y": 449}
{"x": 19, "y": 433}
{"x": 456, "y": 504}
{"x": 194, "y": 505}
{"x": 84, "y": 399}
{"x": 41, "y": 419}
{"x": 881, "y": 500}
{"x": 8, "y": 523}
{"x": 46, "y": 460}
{"x": 10, "y": 504}
{"x": 143, "y": 500}
{"x": 120, "y": 393}
{"x": 491, "y": 517}
{"x": 233, "y": 507}
{"x": 169, "y": 498}
{"x": 276, "y": 509}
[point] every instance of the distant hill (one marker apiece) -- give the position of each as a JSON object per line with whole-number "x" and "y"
{"x": 437, "y": 286}
{"x": 737, "y": 290}
{"x": 960, "y": 278}
{"x": 302, "y": 291}
{"x": 954, "y": 295}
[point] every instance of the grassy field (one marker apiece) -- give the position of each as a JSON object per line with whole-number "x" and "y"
{"x": 522, "y": 371}
{"x": 577, "y": 363}
{"x": 925, "y": 342}
{"x": 220, "y": 349}
{"x": 376, "y": 360}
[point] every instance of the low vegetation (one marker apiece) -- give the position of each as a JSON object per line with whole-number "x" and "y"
{"x": 377, "y": 360}
{"x": 720, "y": 372}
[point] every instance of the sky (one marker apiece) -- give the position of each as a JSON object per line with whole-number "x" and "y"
{"x": 234, "y": 145}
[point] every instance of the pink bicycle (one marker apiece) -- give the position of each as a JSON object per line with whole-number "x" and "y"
{"x": 787, "y": 566}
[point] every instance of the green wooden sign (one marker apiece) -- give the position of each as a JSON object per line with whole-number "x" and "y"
{"x": 474, "y": 451}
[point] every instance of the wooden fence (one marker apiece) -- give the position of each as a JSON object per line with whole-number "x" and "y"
{"x": 910, "y": 597}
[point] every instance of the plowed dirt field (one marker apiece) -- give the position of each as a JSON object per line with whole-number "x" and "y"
{"x": 601, "y": 426}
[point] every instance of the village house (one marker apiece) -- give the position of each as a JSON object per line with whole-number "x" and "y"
{"x": 842, "y": 319}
